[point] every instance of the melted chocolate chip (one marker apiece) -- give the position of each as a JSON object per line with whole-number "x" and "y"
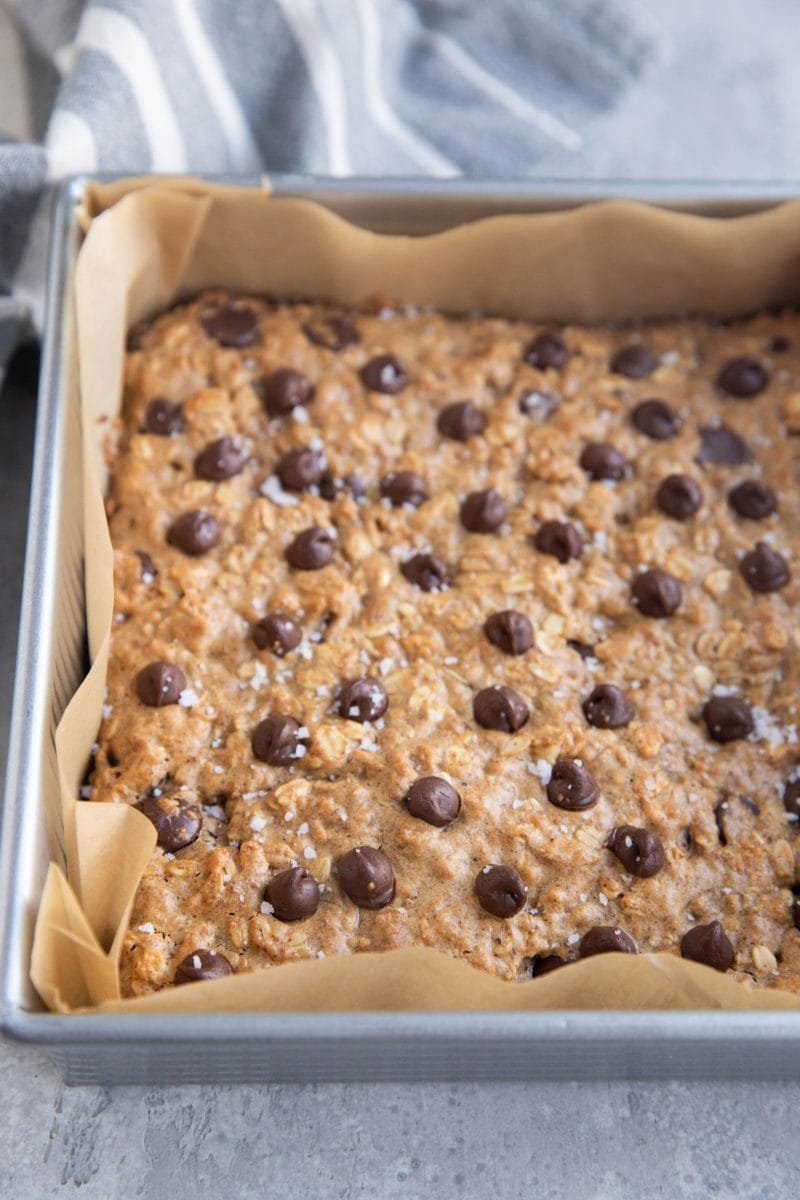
{"x": 721, "y": 446}
{"x": 510, "y": 631}
{"x": 311, "y": 549}
{"x": 404, "y": 487}
{"x": 679, "y": 496}
{"x": 543, "y": 964}
{"x": 500, "y": 708}
{"x": 708, "y": 944}
{"x": 483, "y": 512}
{"x": 605, "y": 939}
{"x": 200, "y": 965}
{"x": 791, "y": 798}
{"x": 603, "y": 461}
{"x": 656, "y": 420}
{"x": 461, "y": 421}
{"x": 753, "y": 500}
{"x": 743, "y": 377}
{"x": 293, "y": 894}
{"x": 635, "y": 362}
{"x": 147, "y": 569}
{"x": 500, "y": 890}
{"x": 727, "y": 718}
{"x": 607, "y": 707}
{"x": 572, "y": 786}
{"x": 300, "y": 469}
{"x": 582, "y": 648}
{"x": 162, "y": 418}
{"x": 427, "y": 572}
{"x": 779, "y": 344}
{"x": 434, "y": 801}
{"x": 547, "y": 350}
{"x": 177, "y": 822}
{"x": 332, "y": 333}
{"x": 796, "y": 912}
{"x": 277, "y": 740}
{"x": 278, "y": 633}
{"x": 640, "y": 851}
{"x": 538, "y": 404}
{"x": 194, "y": 533}
{"x": 284, "y": 390}
{"x": 384, "y": 373}
{"x": 220, "y": 460}
{"x": 363, "y": 699}
{"x": 656, "y": 593}
{"x": 764, "y": 570}
{"x": 160, "y": 683}
{"x": 232, "y": 325}
{"x": 559, "y": 539}
{"x": 367, "y": 877}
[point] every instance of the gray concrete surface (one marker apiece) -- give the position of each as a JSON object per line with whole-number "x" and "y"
{"x": 724, "y": 104}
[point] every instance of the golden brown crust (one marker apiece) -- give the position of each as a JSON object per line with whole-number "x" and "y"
{"x": 360, "y": 616}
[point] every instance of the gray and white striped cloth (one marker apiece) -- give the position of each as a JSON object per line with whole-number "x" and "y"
{"x": 338, "y": 87}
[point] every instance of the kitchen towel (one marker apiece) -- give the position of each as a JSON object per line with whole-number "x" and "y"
{"x": 337, "y": 87}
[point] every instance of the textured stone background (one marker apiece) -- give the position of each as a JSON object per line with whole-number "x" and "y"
{"x": 723, "y": 104}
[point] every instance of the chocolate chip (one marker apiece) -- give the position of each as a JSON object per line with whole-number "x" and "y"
{"x": 384, "y": 373}
{"x": 708, "y": 944}
{"x": 543, "y": 964}
{"x": 278, "y": 633}
{"x": 160, "y": 683}
{"x": 656, "y": 420}
{"x": 147, "y": 568}
{"x": 720, "y": 445}
{"x": 607, "y": 707}
{"x": 500, "y": 890}
{"x": 428, "y": 572}
{"x": 779, "y": 344}
{"x": 791, "y": 798}
{"x": 363, "y": 699}
{"x": 177, "y": 822}
{"x": 311, "y": 549}
{"x": 635, "y": 362}
{"x": 640, "y": 851}
{"x": 763, "y": 569}
{"x": 743, "y": 377}
{"x": 603, "y": 461}
{"x": 572, "y": 786}
{"x": 366, "y": 877}
{"x": 538, "y": 404}
{"x": 220, "y": 460}
{"x": 500, "y": 708}
{"x": 753, "y": 500}
{"x": 547, "y": 350}
{"x": 796, "y": 912}
{"x": 194, "y": 533}
{"x": 200, "y": 965}
{"x": 483, "y": 512}
{"x": 603, "y": 939}
{"x": 232, "y": 325}
{"x": 581, "y": 648}
{"x": 162, "y": 418}
{"x": 277, "y": 740}
{"x": 330, "y": 487}
{"x": 679, "y": 496}
{"x": 656, "y": 593}
{"x": 284, "y": 390}
{"x": 433, "y": 800}
{"x": 300, "y": 469}
{"x": 404, "y": 487}
{"x": 559, "y": 539}
{"x": 510, "y": 631}
{"x": 293, "y": 894}
{"x": 461, "y": 421}
{"x": 332, "y": 333}
{"x": 727, "y": 718}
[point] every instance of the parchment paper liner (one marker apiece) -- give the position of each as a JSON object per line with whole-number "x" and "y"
{"x": 149, "y": 243}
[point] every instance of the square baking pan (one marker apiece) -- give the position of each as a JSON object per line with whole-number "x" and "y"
{"x": 302, "y": 1047}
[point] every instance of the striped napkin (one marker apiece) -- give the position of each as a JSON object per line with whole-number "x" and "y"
{"x": 339, "y": 87}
